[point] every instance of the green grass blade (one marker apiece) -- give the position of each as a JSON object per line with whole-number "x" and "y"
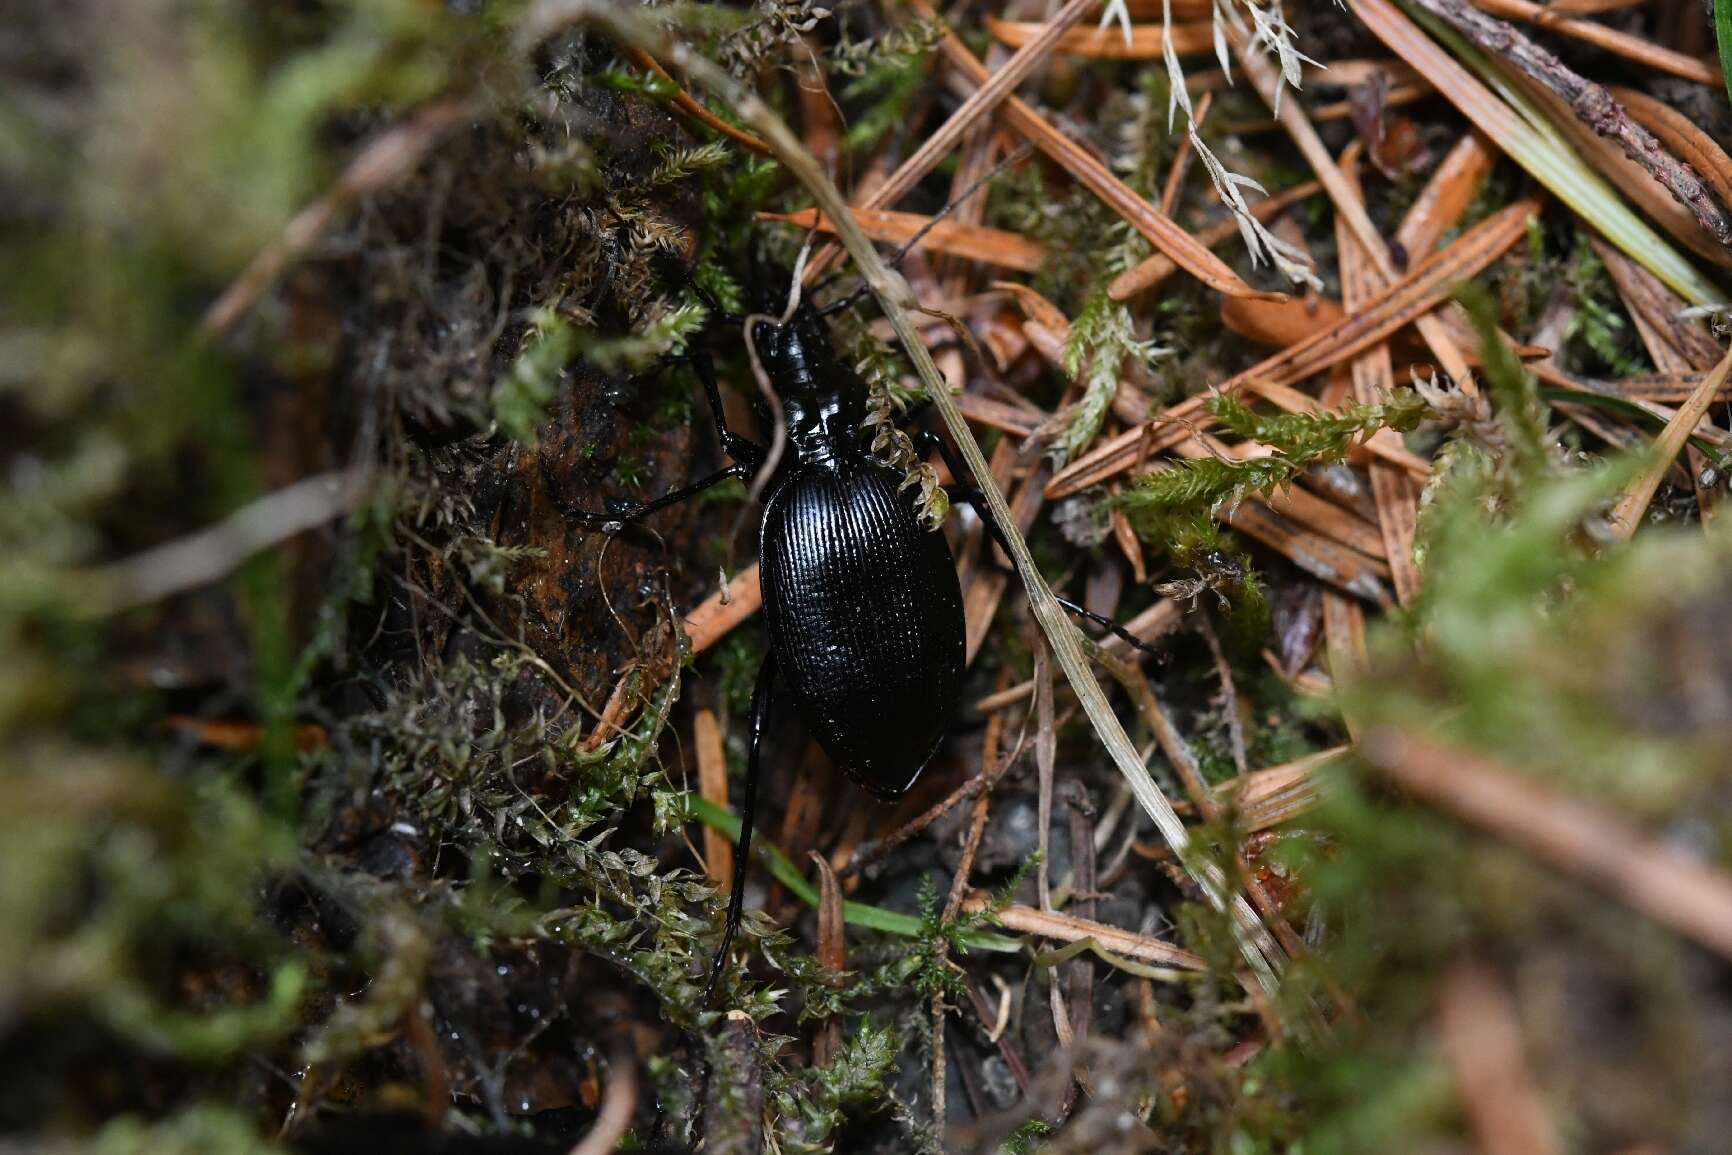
{"x": 854, "y": 913}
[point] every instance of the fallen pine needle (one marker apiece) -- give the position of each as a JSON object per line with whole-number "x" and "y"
{"x": 1633, "y": 503}
{"x": 1674, "y": 889}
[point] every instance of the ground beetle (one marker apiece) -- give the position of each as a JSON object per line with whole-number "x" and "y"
{"x": 862, "y": 601}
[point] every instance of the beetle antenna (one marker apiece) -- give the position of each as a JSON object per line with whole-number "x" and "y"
{"x": 854, "y": 298}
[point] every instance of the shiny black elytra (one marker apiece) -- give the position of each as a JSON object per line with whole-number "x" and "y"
{"x": 862, "y": 602}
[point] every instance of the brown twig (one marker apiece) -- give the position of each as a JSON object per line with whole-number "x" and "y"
{"x": 1591, "y": 103}
{"x": 385, "y": 160}
{"x": 1620, "y": 43}
{"x": 1674, "y": 889}
{"x": 1476, "y": 1024}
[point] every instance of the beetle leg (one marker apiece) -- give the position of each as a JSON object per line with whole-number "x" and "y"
{"x": 762, "y": 693}
{"x": 741, "y": 449}
{"x": 617, "y": 518}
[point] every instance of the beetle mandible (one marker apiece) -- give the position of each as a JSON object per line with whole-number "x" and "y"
{"x": 862, "y": 602}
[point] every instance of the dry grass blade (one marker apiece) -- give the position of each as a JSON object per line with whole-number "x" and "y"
{"x": 1650, "y": 876}
{"x": 1632, "y": 48}
{"x": 1109, "y": 43}
{"x": 713, "y": 785}
{"x": 1549, "y": 161}
{"x": 1412, "y": 296}
{"x": 1476, "y": 1023}
{"x": 974, "y": 242}
{"x": 1064, "y": 928}
{"x": 1185, "y": 250}
{"x": 719, "y": 613}
{"x": 1633, "y": 503}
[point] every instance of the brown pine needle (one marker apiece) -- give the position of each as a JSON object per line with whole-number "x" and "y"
{"x": 1652, "y": 877}
{"x": 991, "y": 92}
{"x": 719, "y": 613}
{"x": 1373, "y": 375}
{"x": 688, "y": 104}
{"x": 1476, "y": 1024}
{"x": 990, "y": 246}
{"x": 1446, "y": 196}
{"x": 1184, "y": 249}
{"x": 1412, "y": 296}
{"x": 713, "y": 785}
{"x": 1634, "y": 503}
{"x": 1109, "y": 43}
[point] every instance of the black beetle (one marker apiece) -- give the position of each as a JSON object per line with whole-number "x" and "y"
{"x": 862, "y": 601}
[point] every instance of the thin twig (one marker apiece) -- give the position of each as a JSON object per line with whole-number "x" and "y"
{"x": 1667, "y": 885}
{"x": 1592, "y": 104}
{"x": 384, "y": 161}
